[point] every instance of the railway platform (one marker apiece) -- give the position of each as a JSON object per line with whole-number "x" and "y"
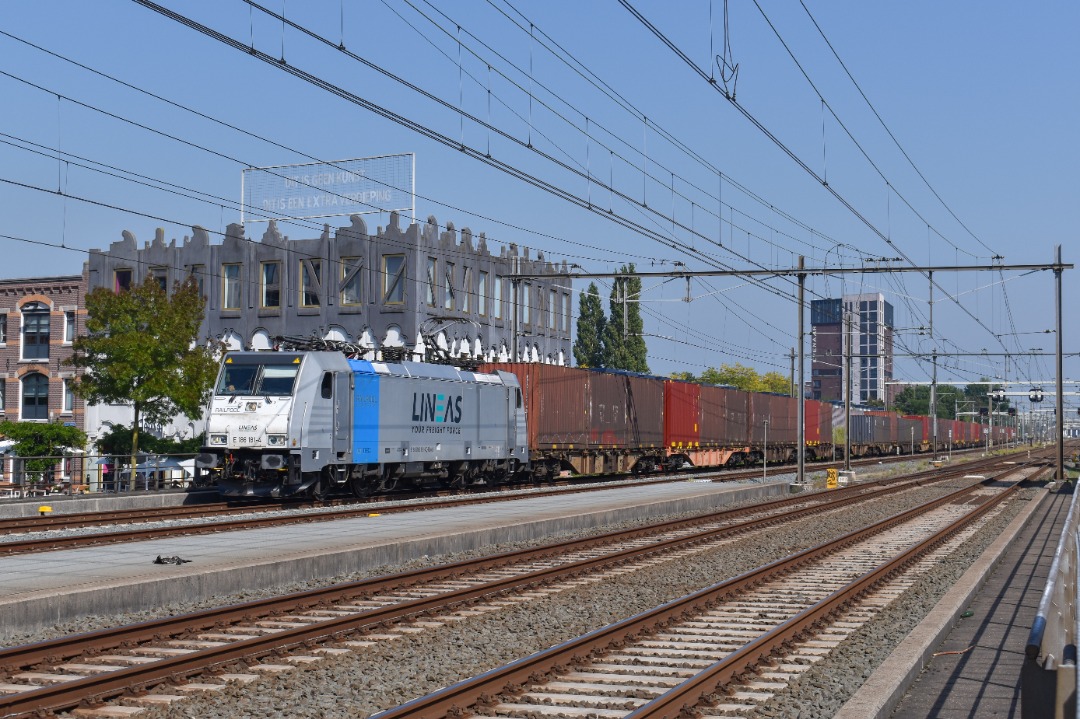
{"x": 46, "y": 588}
{"x": 971, "y": 648}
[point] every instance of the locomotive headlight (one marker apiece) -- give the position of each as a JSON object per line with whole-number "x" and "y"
{"x": 275, "y": 440}
{"x": 221, "y": 439}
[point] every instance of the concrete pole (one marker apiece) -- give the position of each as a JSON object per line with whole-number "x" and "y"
{"x": 801, "y": 474}
{"x": 1059, "y": 402}
{"x": 847, "y": 386}
{"x": 933, "y": 379}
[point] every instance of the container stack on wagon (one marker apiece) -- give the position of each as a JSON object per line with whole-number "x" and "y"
{"x": 602, "y": 421}
{"x": 589, "y": 422}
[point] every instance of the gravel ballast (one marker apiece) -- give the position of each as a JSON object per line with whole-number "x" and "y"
{"x": 385, "y": 675}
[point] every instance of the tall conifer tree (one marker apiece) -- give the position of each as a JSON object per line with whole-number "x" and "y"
{"x": 588, "y": 346}
{"x": 625, "y": 349}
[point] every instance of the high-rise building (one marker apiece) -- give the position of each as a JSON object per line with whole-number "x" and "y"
{"x": 861, "y": 325}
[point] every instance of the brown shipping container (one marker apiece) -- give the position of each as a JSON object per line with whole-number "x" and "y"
{"x": 567, "y": 406}
{"x": 682, "y": 414}
{"x": 782, "y": 413}
{"x": 724, "y": 414}
{"x": 556, "y": 402}
{"x": 626, "y": 410}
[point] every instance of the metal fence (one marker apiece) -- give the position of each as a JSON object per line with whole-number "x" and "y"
{"x": 1048, "y": 679}
{"x": 79, "y": 473}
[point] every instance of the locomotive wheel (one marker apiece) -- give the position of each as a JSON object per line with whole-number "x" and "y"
{"x": 361, "y": 488}
{"x": 324, "y": 484}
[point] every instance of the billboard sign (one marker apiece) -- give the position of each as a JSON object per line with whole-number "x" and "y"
{"x": 329, "y": 189}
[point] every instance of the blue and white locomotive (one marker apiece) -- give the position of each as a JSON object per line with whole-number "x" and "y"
{"x": 285, "y": 424}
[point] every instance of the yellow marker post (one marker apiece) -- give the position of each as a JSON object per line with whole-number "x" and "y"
{"x": 831, "y": 478}
{"x": 44, "y": 510}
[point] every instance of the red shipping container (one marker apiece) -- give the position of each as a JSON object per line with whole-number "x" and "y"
{"x": 682, "y": 414}
{"x": 817, "y": 422}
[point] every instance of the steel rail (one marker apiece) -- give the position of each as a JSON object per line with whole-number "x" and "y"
{"x": 479, "y": 691}
{"x": 100, "y": 687}
{"x": 23, "y": 656}
{"x": 745, "y": 661}
{"x": 42, "y": 544}
{"x": 18, "y": 658}
{"x": 76, "y": 520}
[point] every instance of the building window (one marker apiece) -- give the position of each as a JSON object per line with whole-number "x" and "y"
{"x": 351, "y": 281}
{"x": 69, "y": 327}
{"x": 69, "y": 397}
{"x": 431, "y": 294}
{"x": 35, "y": 331}
{"x": 551, "y": 309}
{"x": 270, "y": 285}
{"x": 230, "y": 277}
{"x": 310, "y": 282}
{"x": 496, "y": 297}
{"x": 161, "y": 276}
{"x": 448, "y": 287}
{"x": 525, "y": 299}
{"x": 121, "y": 280}
{"x": 482, "y": 294}
{"x": 466, "y": 289}
{"x": 3, "y": 329}
{"x": 199, "y": 273}
{"x": 35, "y": 396}
{"x": 393, "y": 273}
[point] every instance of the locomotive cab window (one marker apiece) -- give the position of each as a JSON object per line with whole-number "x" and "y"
{"x": 257, "y": 379}
{"x": 327, "y": 389}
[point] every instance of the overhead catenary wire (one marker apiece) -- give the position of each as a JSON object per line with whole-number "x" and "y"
{"x": 787, "y": 150}
{"x": 220, "y": 201}
{"x": 888, "y": 131}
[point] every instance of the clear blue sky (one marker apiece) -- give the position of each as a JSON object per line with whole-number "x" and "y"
{"x": 982, "y": 96}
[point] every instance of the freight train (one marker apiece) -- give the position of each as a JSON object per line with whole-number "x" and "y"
{"x": 313, "y": 423}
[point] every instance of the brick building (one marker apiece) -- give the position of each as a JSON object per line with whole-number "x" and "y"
{"x": 39, "y": 319}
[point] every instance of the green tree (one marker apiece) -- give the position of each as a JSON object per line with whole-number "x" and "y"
{"x": 916, "y": 400}
{"x": 624, "y": 345}
{"x": 589, "y": 344}
{"x": 776, "y": 382}
{"x": 736, "y": 375}
{"x": 39, "y": 444}
{"x": 117, "y": 441}
{"x": 141, "y": 349}
{"x": 685, "y": 376}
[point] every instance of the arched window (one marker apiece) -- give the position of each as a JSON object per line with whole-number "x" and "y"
{"x": 35, "y": 331}
{"x": 35, "y": 396}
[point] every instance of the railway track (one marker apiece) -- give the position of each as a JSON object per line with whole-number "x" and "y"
{"x": 63, "y": 673}
{"x": 223, "y": 516}
{"x": 724, "y": 650}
